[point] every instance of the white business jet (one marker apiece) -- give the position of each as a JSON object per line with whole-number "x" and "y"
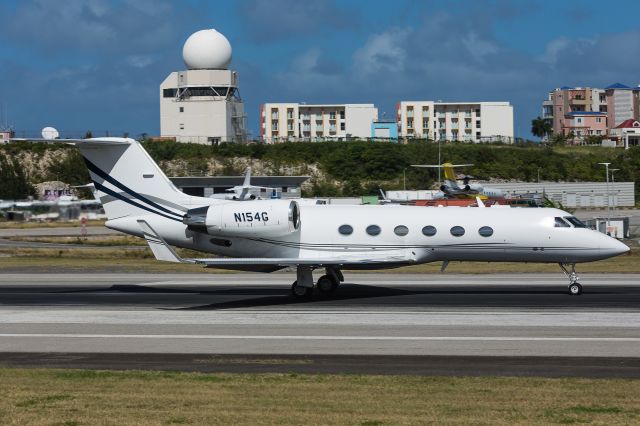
{"x": 268, "y": 235}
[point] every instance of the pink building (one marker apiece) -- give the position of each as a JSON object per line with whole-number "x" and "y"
{"x": 587, "y": 111}
{"x": 622, "y": 103}
{"x": 583, "y": 124}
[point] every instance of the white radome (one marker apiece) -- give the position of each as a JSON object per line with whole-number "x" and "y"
{"x": 50, "y": 133}
{"x": 206, "y": 49}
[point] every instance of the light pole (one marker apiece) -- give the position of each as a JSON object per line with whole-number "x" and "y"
{"x": 606, "y": 167}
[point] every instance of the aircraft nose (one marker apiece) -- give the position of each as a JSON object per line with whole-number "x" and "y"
{"x": 613, "y": 247}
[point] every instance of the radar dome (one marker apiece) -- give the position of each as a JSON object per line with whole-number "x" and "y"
{"x": 206, "y": 49}
{"x": 50, "y": 133}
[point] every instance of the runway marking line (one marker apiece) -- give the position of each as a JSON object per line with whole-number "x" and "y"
{"x": 293, "y": 337}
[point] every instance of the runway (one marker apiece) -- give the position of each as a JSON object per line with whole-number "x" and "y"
{"x": 444, "y": 316}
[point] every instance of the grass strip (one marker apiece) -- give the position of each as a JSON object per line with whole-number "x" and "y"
{"x": 76, "y": 397}
{"x": 119, "y": 259}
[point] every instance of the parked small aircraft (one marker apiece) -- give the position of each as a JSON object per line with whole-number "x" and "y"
{"x": 268, "y": 235}
{"x": 244, "y": 192}
{"x": 452, "y": 189}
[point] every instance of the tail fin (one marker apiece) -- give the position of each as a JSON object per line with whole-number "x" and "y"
{"x": 449, "y": 174}
{"x": 247, "y": 177}
{"x": 127, "y": 180}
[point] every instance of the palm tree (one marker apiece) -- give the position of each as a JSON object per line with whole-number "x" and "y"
{"x": 541, "y": 127}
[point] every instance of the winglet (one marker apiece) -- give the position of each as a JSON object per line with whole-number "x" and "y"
{"x": 161, "y": 250}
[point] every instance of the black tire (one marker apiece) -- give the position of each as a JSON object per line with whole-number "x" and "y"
{"x": 326, "y": 284}
{"x": 300, "y": 292}
{"x": 575, "y": 289}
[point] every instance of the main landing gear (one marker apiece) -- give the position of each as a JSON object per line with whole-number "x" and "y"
{"x": 303, "y": 287}
{"x": 575, "y": 288}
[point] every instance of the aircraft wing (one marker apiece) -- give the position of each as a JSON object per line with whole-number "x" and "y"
{"x": 163, "y": 251}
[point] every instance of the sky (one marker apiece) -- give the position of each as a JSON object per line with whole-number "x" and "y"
{"x": 97, "y": 64}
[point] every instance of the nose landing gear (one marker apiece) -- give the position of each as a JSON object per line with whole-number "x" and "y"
{"x": 575, "y": 288}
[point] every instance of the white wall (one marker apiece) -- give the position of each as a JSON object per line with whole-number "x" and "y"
{"x": 358, "y": 119}
{"x": 496, "y": 119}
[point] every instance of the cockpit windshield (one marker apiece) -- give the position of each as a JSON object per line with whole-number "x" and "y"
{"x": 577, "y": 223}
{"x": 560, "y": 223}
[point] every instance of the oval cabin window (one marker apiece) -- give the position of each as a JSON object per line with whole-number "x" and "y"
{"x": 373, "y": 230}
{"x": 457, "y": 231}
{"x": 401, "y": 230}
{"x": 345, "y": 230}
{"x": 429, "y": 230}
{"x": 486, "y": 231}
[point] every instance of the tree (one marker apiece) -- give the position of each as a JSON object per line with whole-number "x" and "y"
{"x": 88, "y": 134}
{"x": 13, "y": 181}
{"x": 541, "y": 127}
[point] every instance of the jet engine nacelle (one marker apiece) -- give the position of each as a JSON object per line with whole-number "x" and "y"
{"x": 246, "y": 219}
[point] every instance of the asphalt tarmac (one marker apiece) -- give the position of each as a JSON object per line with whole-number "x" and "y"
{"x": 514, "y": 324}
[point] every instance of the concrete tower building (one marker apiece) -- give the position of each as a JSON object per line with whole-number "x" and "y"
{"x": 203, "y": 104}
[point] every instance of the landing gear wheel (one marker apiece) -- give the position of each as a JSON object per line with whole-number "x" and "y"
{"x": 575, "y": 289}
{"x": 327, "y": 284}
{"x": 300, "y": 292}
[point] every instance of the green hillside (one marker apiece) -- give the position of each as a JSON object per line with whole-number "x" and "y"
{"x": 337, "y": 168}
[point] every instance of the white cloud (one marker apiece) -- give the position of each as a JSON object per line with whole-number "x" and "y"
{"x": 384, "y": 52}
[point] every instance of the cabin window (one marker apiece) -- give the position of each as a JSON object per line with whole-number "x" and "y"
{"x": 559, "y": 223}
{"x": 486, "y": 231}
{"x": 401, "y": 230}
{"x": 345, "y": 229}
{"x": 575, "y": 222}
{"x": 373, "y": 230}
{"x": 457, "y": 231}
{"x": 429, "y": 231}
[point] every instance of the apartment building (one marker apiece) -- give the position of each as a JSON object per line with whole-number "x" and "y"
{"x": 456, "y": 121}
{"x": 585, "y": 111}
{"x": 281, "y": 122}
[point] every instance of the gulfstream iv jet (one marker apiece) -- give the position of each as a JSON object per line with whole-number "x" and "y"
{"x": 268, "y": 235}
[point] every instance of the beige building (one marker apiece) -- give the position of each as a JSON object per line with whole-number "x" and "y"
{"x": 301, "y": 122}
{"x": 456, "y": 121}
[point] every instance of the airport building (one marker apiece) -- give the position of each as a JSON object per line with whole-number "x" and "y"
{"x": 202, "y": 104}
{"x": 456, "y": 121}
{"x": 206, "y": 186}
{"x": 280, "y": 122}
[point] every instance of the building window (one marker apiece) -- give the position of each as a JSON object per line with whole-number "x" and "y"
{"x": 181, "y": 109}
{"x": 486, "y": 231}
{"x": 457, "y": 231}
{"x": 341, "y": 115}
{"x": 429, "y": 231}
{"x": 169, "y": 93}
{"x": 332, "y": 115}
{"x": 598, "y": 120}
{"x": 409, "y": 123}
{"x": 342, "y": 126}
{"x": 181, "y": 126}
{"x": 373, "y": 230}
{"x": 274, "y": 125}
{"x": 345, "y": 229}
{"x": 401, "y": 230}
